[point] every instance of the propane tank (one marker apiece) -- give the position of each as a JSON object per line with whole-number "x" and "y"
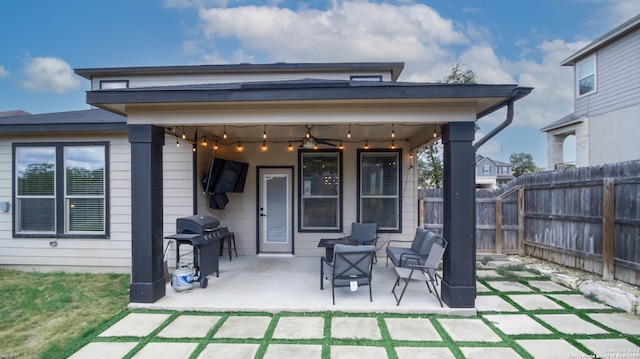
{"x": 182, "y": 278}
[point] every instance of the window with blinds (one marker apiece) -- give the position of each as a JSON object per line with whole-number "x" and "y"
{"x": 60, "y": 190}
{"x": 379, "y": 188}
{"x": 320, "y": 197}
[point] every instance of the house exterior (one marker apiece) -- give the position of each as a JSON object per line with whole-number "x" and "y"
{"x": 326, "y": 145}
{"x": 491, "y": 173}
{"x": 606, "y": 115}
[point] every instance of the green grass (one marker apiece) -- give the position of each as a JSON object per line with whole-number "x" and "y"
{"x": 43, "y": 315}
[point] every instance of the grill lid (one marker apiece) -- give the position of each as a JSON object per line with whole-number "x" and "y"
{"x": 198, "y": 224}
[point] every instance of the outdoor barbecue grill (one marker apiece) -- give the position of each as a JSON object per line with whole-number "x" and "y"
{"x": 203, "y": 233}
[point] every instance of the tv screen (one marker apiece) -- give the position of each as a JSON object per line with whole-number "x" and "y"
{"x": 225, "y": 176}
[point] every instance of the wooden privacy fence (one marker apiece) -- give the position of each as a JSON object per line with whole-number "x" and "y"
{"x": 584, "y": 218}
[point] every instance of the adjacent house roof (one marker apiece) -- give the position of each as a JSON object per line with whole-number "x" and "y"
{"x": 14, "y": 113}
{"x": 626, "y": 27}
{"x": 564, "y": 121}
{"x": 83, "y": 120}
{"x": 395, "y": 68}
{"x": 480, "y": 158}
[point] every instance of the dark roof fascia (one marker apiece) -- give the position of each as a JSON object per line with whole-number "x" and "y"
{"x": 345, "y": 90}
{"x": 603, "y": 40}
{"x": 95, "y": 120}
{"x": 395, "y": 68}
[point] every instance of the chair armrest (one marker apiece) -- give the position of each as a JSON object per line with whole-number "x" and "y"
{"x": 397, "y": 240}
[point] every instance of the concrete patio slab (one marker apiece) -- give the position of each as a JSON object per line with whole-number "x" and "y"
{"x": 413, "y": 353}
{"x": 579, "y": 301}
{"x": 469, "y": 330}
{"x": 166, "y": 351}
{"x": 516, "y": 324}
{"x": 570, "y": 324}
{"x": 350, "y": 352}
{"x": 98, "y": 350}
{"x": 415, "y": 329}
{"x": 299, "y": 328}
{"x": 279, "y": 351}
{"x": 508, "y": 286}
{"x": 243, "y": 327}
{"x": 487, "y": 273}
{"x": 550, "y": 349}
{"x": 611, "y": 348}
{"x": 235, "y": 351}
{"x": 136, "y": 325}
{"x": 353, "y": 327}
{"x": 493, "y": 353}
{"x": 548, "y": 286}
{"x": 534, "y": 301}
{"x": 623, "y": 323}
{"x": 493, "y": 303}
{"x": 189, "y": 326}
{"x": 481, "y": 288}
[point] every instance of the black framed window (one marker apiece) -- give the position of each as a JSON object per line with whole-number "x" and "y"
{"x": 379, "y": 188}
{"x": 60, "y": 190}
{"x": 320, "y": 190}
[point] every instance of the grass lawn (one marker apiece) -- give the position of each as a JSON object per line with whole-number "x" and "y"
{"x": 44, "y": 315}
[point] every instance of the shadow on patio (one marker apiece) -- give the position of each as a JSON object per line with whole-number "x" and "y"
{"x": 274, "y": 284}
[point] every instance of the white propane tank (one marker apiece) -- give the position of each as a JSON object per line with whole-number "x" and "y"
{"x": 182, "y": 278}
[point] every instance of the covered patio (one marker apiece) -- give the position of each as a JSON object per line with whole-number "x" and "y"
{"x": 288, "y": 283}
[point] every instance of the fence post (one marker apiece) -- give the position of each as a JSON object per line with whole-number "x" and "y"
{"x": 498, "y": 225}
{"x": 608, "y": 229}
{"x": 521, "y": 220}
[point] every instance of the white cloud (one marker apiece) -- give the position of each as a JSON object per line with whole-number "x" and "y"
{"x": 623, "y": 10}
{"x": 49, "y": 74}
{"x": 4, "y": 72}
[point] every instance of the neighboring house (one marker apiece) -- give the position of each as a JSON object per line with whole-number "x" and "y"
{"x": 327, "y": 145}
{"x": 491, "y": 173}
{"x": 606, "y": 116}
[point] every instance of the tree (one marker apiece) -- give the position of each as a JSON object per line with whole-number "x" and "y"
{"x": 521, "y": 163}
{"x": 430, "y": 167}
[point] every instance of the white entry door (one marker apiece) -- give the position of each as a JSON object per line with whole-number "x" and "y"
{"x": 275, "y": 210}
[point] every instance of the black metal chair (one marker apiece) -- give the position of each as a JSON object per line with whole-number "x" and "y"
{"x": 424, "y": 272}
{"x": 351, "y": 266}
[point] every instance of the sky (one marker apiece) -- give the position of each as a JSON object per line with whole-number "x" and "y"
{"x": 501, "y": 41}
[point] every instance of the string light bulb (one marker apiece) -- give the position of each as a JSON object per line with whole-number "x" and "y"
{"x": 215, "y": 144}
{"x": 193, "y": 147}
{"x": 290, "y": 146}
{"x": 264, "y": 145}
{"x": 434, "y": 132}
{"x": 177, "y": 143}
{"x": 341, "y": 146}
{"x": 224, "y": 134}
{"x": 393, "y": 131}
{"x": 239, "y": 146}
{"x": 393, "y": 144}
{"x": 204, "y": 142}
{"x": 349, "y": 132}
{"x": 308, "y": 132}
{"x": 264, "y": 133}
{"x": 366, "y": 144}
{"x": 184, "y": 135}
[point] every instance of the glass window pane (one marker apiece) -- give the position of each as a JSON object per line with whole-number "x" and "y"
{"x": 379, "y": 174}
{"x": 587, "y": 85}
{"x": 85, "y": 215}
{"x": 382, "y": 211}
{"x": 36, "y": 215}
{"x": 84, "y": 166}
{"x": 320, "y": 212}
{"x": 35, "y": 169}
{"x": 320, "y": 174}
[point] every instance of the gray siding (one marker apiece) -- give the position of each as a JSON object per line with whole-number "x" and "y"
{"x": 618, "y": 78}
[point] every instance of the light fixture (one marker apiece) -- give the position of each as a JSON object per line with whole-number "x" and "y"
{"x": 264, "y": 145}
{"x": 215, "y": 144}
{"x": 393, "y": 144}
{"x": 204, "y": 142}
{"x": 239, "y": 146}
{"x": 264, "y": 133}
{"x": 309, "y": 143}
{"x": 434, "y": 132}
{"x": 184, "y": 135}
{"x": 341, "y": 146}
{"x": 193, "y": 147}
{"x": 224, "y": 135}
{"x": 349, "y": 132}
{"x": 366, "y": 144}
{"x": 308, "y": 132}
{"x": 177, "y": 143}
{"x": 393, "y": 131}
{"x": 290, "y": 147}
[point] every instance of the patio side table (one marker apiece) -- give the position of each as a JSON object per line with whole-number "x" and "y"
{"x": 328, "y": 244}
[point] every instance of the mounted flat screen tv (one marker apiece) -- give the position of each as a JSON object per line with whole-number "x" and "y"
{"x": 225, "y": 176}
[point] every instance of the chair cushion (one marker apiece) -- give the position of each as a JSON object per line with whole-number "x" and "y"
{"x": 427, "y": 244}
{"x": 418, "y": 239}
{"x": 364, "y": 233}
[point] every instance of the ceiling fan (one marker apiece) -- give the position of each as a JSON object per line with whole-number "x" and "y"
{"x": 309, "y": 141}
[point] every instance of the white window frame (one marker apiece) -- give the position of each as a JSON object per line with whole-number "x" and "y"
{"x": 486, "y": 169}
{"x": 583, "y": 72}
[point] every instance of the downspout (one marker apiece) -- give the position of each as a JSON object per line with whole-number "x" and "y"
{"x": 507, "y": 121}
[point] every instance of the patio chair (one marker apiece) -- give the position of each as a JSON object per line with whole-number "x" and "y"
{"x": 425, "y": 272}
{"x": 416, "y": 254}
{"x": 351, "y": 267}
{"x": 365, "y": 234}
